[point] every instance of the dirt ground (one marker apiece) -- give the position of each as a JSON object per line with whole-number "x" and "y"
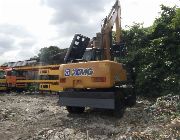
{"x": 39, "y": 117}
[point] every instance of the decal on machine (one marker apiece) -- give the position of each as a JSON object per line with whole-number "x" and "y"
{"x": 78, "y": 72}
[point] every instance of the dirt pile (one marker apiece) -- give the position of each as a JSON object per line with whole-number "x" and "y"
{"x": 165, "y": 106}
{"x": 39, "y": 117}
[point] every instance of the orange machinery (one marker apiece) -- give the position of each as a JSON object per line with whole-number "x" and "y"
{"x": 41, "y": 77}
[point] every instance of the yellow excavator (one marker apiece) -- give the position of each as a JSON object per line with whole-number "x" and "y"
{"x": 91, "y": 77}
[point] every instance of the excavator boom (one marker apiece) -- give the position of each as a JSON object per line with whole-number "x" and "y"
{"x": 114, "y": 17}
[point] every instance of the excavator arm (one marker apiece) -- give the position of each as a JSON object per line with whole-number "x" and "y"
{"x": 114, "y": 17}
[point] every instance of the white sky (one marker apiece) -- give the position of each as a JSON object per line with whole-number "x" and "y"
{"x": 27, "y": 23}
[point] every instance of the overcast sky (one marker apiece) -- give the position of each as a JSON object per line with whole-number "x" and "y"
{"x": 28, "y": 25}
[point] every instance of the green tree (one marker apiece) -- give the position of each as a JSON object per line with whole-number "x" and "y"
{"x": 52, "y": 55}
{"x": 155, "y": 54}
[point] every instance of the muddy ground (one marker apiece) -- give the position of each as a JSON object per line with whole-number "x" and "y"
{"x": 39, "y": 117}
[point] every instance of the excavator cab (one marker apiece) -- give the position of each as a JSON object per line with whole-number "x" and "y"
{"x": 89, "y": 54}
{"x": 92, "y": 54}
{"x": 83, "y": 49}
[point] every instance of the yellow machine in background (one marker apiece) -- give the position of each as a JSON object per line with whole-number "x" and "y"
{"x": 19, "y": 78}
{"x": 52, "y": 74}
{"x": 91, "y": 77}
{"x": 45, "y": 77}
{"x": 3, "y": 82}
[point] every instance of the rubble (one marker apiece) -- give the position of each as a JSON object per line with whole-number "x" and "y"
{"x": 37, "y": 117}
{"x": 165, "y": 107}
